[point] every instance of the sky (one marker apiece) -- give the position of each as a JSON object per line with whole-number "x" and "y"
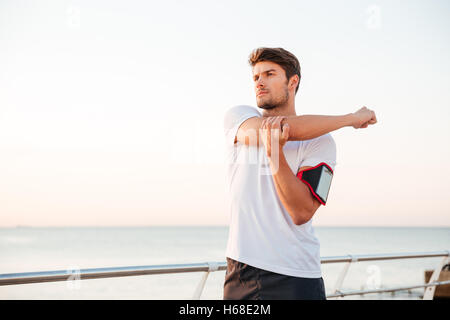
{"x": 111, "y": 112}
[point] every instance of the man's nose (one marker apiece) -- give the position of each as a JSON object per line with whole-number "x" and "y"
{"x": 259, "y": 83}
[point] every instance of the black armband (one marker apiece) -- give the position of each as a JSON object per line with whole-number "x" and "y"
{"x": 318, "y": 179}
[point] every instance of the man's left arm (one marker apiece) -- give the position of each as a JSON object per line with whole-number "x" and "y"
{"x": 293, "y": 193}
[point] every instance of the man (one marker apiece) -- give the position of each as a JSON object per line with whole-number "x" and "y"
{"x": 272, "y": 251}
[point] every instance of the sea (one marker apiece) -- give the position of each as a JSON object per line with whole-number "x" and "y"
{"x": 31, "y": 249}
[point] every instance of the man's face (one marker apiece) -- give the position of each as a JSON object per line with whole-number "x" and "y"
{"x": 271, "y": 85}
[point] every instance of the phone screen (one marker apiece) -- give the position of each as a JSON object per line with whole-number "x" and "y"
{"x": 324, "y": 183}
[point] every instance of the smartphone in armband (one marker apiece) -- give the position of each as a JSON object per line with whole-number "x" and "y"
{"x": 318, "y": 179}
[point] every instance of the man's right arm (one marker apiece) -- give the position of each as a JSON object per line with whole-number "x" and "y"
{"x": 305, "y": 127}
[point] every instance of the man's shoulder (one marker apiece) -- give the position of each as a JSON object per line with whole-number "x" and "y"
{"x": 239, "y": 112}
{"x": 320, "y": 149}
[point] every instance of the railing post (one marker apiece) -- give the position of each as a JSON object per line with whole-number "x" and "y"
{"x": 342, "y": 275}
{"x": 212, "y": 266}
{"x": 429, "y": 291}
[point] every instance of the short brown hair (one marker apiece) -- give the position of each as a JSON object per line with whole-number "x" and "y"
{"x": 280, "y": 56}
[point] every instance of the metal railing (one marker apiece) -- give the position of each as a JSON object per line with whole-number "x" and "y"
{"x": 207, "y": 267}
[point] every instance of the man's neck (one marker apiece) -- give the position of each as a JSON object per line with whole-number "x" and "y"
{"x": 283, "y": 110}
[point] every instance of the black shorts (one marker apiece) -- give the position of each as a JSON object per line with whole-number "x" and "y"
{"x": 245, "y": 282}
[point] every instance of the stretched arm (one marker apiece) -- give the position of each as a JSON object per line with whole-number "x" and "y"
{"x": 306, "y": 127}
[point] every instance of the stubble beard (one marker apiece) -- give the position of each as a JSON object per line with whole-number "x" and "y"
{"x": 274, "y": 102}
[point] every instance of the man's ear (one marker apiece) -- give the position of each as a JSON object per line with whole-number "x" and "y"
{"x": 293, "y": 81}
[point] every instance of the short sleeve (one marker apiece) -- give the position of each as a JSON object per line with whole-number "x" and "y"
{"x": 233, "y": 119}
{"x": 320, "y": 149}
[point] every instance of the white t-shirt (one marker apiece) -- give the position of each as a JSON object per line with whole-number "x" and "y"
{"x": 261, "y": 232}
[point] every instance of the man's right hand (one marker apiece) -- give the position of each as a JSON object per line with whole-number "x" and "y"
{"x": 363, "y": 117}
